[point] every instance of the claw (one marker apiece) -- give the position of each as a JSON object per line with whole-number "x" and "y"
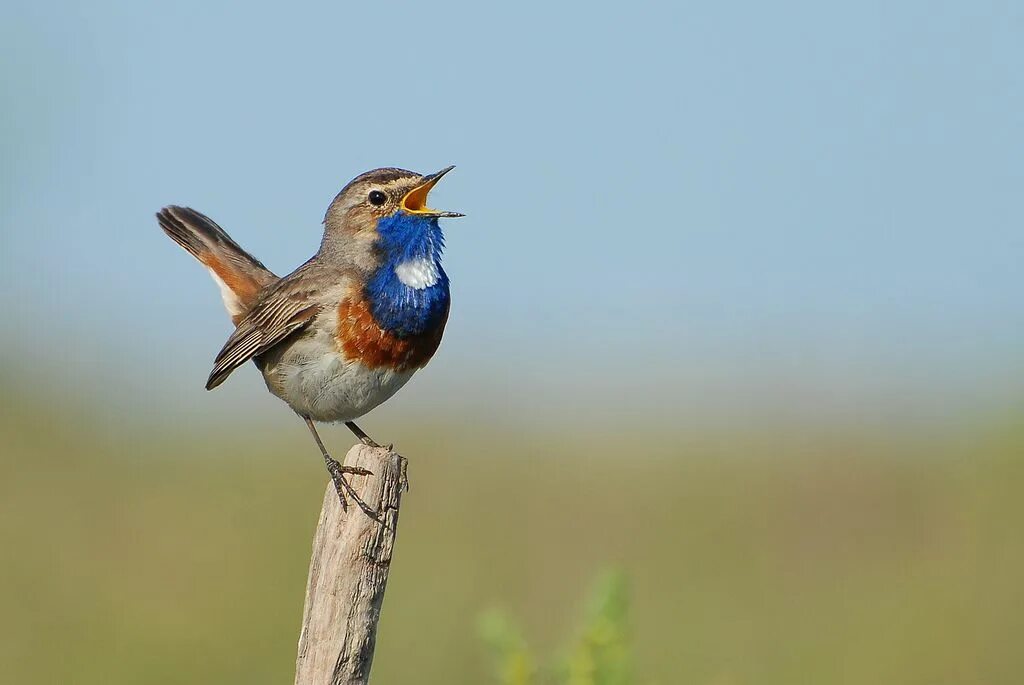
{"x": 344, "y": 489}
{"x": 337, "y": 472}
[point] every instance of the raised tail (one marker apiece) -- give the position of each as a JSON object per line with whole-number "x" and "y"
{"x": 241, "y": 276}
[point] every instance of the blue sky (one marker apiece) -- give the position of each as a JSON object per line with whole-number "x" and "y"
{"x": 670, "y": 206}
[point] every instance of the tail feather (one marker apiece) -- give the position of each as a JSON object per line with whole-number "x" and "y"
{"x": 241, "y": 276}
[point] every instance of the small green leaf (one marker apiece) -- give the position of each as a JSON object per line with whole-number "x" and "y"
{"x": 601, "y": 653}
{"x": 513, "y": 663}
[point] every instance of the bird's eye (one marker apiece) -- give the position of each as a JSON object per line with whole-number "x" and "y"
{"x": 377, "y": 198}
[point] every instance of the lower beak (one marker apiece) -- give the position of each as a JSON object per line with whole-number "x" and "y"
{"x": 415, "y": 201}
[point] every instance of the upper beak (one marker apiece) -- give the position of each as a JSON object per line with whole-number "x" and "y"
{"x": 415, "y": 201}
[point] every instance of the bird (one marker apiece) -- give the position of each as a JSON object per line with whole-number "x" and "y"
{"x": 343, "y": 332}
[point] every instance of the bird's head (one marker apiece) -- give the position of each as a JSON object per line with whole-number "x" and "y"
{"x": 387, "y": 207}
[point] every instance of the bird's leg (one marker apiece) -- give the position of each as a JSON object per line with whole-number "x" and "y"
{"x": 363, "y": 437}
{"x": 368, "y": 441}
{"x": 338, "y": 471}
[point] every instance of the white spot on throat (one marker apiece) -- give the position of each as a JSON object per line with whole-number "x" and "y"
{"x": 418, "y": 273}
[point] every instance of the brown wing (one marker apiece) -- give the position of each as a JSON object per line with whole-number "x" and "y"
{"x": 286, "y": 308}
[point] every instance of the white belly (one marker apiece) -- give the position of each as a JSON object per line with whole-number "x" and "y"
{"x": 328, "y": 387}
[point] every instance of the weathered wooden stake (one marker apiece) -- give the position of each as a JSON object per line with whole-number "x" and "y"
{"x": 349, "y": 571}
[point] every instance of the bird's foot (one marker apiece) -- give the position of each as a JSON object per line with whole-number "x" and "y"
{"x": 370, "y": 442}
{"x": 341, "y": 484}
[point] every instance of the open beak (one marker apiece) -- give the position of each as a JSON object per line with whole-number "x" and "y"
{"x": 415, "y": 201}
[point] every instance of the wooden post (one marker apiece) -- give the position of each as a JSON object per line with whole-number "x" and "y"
{"x": 349, "y": 571}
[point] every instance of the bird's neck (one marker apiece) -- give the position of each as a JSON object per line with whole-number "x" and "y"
{"x": 408, "y": 292}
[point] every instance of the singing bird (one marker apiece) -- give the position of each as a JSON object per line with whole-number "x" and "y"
{"x": 343, "y": 332}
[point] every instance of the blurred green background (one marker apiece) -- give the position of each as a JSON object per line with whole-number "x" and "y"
{"x": 142, "y": 552}
{"x": 736, "y": 311}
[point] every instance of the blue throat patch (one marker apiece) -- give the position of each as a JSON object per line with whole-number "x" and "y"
{"x": 399, "y": 309}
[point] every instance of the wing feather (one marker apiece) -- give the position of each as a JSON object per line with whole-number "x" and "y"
{"x": 284, "y": 310}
